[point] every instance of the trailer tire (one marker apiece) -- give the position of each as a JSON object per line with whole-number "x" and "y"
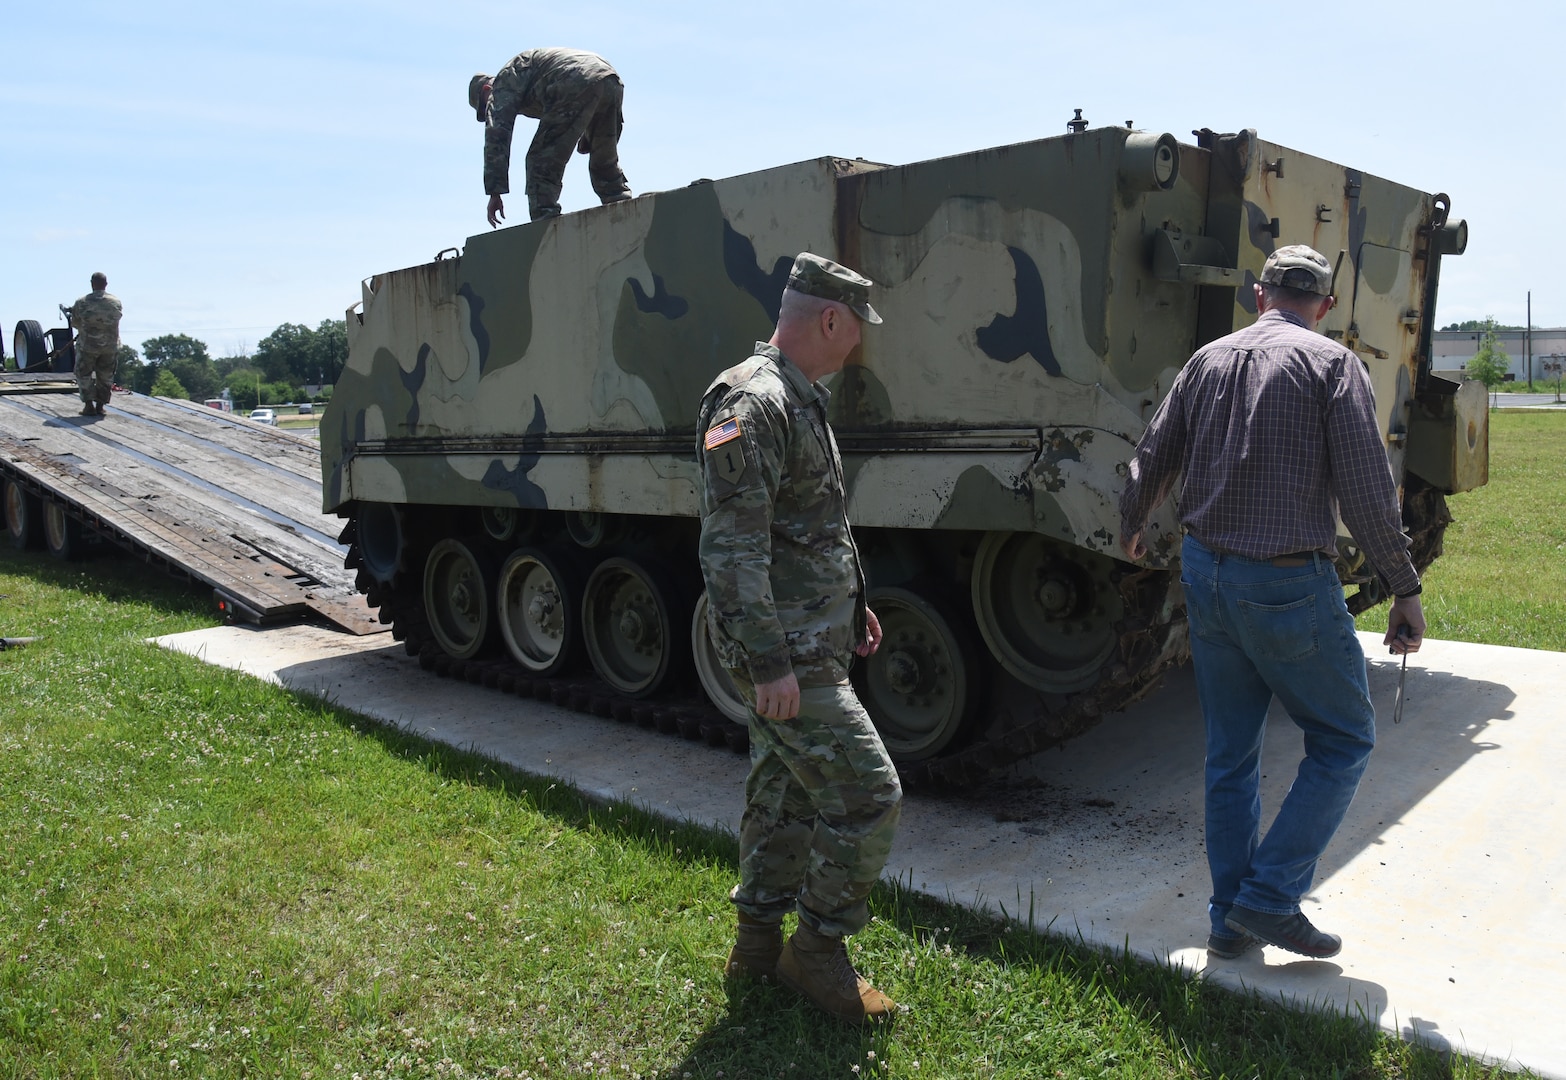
{"x": 62, "y": 532}
{"x": 27, "y": 345}
{"x": 23, "y": 516}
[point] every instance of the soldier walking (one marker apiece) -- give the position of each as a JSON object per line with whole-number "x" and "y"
{"x": 96, "y": 319}
{"x": 786, "y": 597}
{"x": 575, "y": 96}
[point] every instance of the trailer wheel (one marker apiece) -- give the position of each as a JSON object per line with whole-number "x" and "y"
{"x": 27, "y": 345}
{"x": 23, "y": 516}
{"x": 62, "y": 533}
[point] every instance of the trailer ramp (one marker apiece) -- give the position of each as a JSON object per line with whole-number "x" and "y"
{"x": 225, "y": 501}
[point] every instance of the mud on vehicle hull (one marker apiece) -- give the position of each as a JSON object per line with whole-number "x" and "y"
{"x": 513, "y": 438}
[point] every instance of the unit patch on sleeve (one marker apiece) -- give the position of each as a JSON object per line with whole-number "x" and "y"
{"x": 726, "y": 450}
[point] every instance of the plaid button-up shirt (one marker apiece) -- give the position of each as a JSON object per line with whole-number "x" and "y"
{"x": 1273, "y": 429}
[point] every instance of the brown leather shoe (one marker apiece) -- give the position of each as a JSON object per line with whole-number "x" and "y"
{"x": 756, "y": 948}
{"x": 817, "y": 966}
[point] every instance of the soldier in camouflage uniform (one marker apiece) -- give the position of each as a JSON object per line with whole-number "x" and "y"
{"x": 786, "y": 596}
{"x": 575, "y": 96}
{"x": 96, "y": 319}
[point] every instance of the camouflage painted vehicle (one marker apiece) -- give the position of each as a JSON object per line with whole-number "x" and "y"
{"x": 513, "y": 439}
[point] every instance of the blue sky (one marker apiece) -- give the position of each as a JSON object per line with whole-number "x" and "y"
{"x": 235, "y": 167}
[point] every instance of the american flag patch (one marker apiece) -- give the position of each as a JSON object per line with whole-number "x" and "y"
{"x": 725, "y": 432}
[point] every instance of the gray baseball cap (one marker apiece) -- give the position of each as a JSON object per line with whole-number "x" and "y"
{"x": 815, "y": 276}
{"x": 1298, "y": 267}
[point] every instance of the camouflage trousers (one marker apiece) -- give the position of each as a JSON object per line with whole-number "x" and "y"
{"x": 590, "y": 122}
{"x": 821, "y": 805}
{"x": 94, "y": 375}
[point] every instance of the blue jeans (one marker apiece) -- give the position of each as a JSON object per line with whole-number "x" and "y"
{"x": 1259, "y": 630}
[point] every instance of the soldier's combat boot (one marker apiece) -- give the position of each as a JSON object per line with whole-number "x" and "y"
{"x": 756, "y": 949}
{"x": 817, "y": 966}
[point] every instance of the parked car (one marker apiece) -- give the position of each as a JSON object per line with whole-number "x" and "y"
{"x": 306, "y": 408}
{"x": 264, "y": 416}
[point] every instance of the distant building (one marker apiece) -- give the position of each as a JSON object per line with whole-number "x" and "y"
{"x": 1451, "y": 349}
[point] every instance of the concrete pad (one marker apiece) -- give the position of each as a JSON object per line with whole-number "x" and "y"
{"x": 1445, "y": 879}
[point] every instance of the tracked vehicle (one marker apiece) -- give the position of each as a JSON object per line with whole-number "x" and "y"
{"x": 513, "y": 438}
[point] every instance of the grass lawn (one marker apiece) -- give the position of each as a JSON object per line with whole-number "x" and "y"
{"x": 1502, "y": 579}
{"x": 205, "y": 875}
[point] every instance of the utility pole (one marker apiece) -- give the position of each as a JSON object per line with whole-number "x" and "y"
{"x": 1528, "y": 340}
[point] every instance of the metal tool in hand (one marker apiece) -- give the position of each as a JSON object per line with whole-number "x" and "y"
{"x": 1397, "y": 706}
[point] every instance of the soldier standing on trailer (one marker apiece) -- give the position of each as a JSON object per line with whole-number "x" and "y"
{"x": 96, "y": 319}
{"x": 575, "y": 96}
{"x": 786, "y": 597}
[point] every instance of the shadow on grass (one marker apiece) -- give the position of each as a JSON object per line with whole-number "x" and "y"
{"x": 1216, "y": 1031}
{"x": 112, "y": 574}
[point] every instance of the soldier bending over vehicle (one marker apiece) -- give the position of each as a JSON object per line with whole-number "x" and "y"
{"x": 575, "y": 96}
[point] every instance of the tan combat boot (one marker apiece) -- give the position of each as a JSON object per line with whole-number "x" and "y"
{"x": 756, "y": 949}
{"x": 817, "y": 966}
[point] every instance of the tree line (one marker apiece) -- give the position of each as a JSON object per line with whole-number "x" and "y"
{"x": 283, "y": 364}
{"x": 1473, "y": 326}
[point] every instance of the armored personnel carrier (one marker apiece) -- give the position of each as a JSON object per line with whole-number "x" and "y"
{"x": 513, "y": 440}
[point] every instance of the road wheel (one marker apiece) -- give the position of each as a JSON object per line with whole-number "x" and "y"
{"x": 28, "y": 346}
{"x": 715, "y": 678}
{"x": 1047, "y": 610}
{"x": 540, "y": 604}
{"x": 922, "y": 686}
{"x": 62, "y": 533}
{"x": 23, "y": 516}
{"x": 634, "y": 620}
{"x": 459, "y": 592}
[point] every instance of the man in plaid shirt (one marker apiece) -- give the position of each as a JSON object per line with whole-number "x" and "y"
{"x": 1273, "y": 430}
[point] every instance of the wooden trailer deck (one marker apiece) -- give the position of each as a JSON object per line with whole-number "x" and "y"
{"x": 228, "y": 502}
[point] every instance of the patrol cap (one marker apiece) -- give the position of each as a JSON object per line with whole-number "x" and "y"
{"x": 476, "y": 84}
{"x": 1298, "y": 267}
{"x": 815, "y": 276}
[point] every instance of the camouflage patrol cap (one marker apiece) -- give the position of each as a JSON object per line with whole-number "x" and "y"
{"x": 815, "y": 276}
{"x": 476, "y": 84}
{"x": 1298, "y": 267}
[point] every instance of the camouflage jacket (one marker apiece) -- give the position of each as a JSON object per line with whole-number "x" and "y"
{"x": 536, "y": 83}
{"x": 785, "y": 588}
{"x": 96, "y": 319}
